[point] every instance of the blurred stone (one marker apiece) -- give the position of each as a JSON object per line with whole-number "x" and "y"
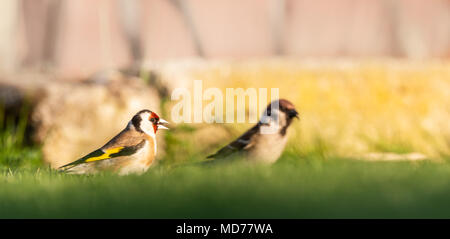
{"x": 9, "y": 37}
{"x": 231, "y": 29}
{"x": 71, "y": 119}
{"x": 89, "y": 37}
{"x": 163, "y": 32}
{"x": 10, "y": 97}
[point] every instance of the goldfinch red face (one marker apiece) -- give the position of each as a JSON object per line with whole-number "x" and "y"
{"x": 148, "y": 122}
{"x": 157, "y": 122}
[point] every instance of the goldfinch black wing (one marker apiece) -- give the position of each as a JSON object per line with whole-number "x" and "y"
{"x": 102, "y": 154}
{"x": 243, "y": 142}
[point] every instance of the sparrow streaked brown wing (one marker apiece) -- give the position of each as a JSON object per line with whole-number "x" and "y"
{"x": 244, "y": 142}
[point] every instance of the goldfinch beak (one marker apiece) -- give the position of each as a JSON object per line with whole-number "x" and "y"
{"x": 161, "y": 124}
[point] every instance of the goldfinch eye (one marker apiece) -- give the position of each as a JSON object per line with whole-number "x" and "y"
{"x": 153, "y": 120}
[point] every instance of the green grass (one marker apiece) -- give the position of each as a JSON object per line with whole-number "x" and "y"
{"x": 14, "y": 152}
{"x": 292, "y": 188}
{"x": 308, "y": 183}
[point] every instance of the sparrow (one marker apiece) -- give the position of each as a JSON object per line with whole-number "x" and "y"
{"x": 133, "y": 150}
{"x": 265, "y": 141}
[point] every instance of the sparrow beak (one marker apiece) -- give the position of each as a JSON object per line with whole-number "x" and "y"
{"x": 293, "y": 113}
{"x": 161, "y": 123}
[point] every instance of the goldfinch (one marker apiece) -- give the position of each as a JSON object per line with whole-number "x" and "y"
{"x": 265, "y": 141}
{"x": 133, "y": 150}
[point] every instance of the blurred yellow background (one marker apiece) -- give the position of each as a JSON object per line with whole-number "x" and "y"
{"x": 347, "y": 108}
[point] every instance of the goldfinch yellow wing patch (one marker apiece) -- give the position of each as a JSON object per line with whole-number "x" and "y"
{"x": 105, "y": 155}
{"x": 100, "y": 154}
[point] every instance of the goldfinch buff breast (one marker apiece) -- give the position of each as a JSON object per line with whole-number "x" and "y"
{"x": 133, "y": 150}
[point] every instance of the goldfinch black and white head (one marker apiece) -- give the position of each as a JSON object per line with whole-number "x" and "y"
{"x": 133, "y": 150}
{"x": 148, "y": 122}
{"x": 265, "y": 141}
